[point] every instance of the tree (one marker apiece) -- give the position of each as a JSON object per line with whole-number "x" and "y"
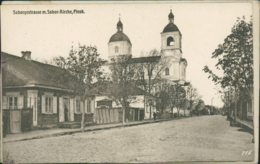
{"x": 200, "y": 106}
{"x": 185, "y": 105}
{"x": 163, "y": 98}
{"x": 192, "y": 94}
{"x": 177, "y": 97}
{"x": 81, "y": 68}
{"x": 235, "y": 59}
{"x": 151, "y": 71}
{"x": 123, "y": 86}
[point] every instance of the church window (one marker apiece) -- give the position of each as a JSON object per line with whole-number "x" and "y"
{"x": 167, "y": 71}
{"x": 116, "y": 49}
{"x": 170, "y": 41}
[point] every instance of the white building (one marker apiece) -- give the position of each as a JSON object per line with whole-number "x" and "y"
{"x": 171, "y": 46}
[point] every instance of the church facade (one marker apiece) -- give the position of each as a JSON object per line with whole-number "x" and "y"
{"x": 171, "y": 48}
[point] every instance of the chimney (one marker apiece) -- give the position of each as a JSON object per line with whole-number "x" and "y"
{"x": 26, "y": 55}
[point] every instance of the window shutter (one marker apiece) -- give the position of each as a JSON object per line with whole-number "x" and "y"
{"x": 81, "y": 106}
{"x": 71, "y": 110}
{"x": 61, "y": 110}
{"x": 86, "y": 106}
{"x": 43, "y": 104}
{"x": 93, "y": 106}
{"x": 5, "y": 102}
{"x": 20, "y": 102}
{"x": 28, "y": 101}
{"x": 54, "y": 104}
{"x": 74, "y": 105}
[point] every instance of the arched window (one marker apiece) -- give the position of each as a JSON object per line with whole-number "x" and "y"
{"x": 170, "y": 41}
{"x": 167, "y": 71}
{"x": 116, "y": 49}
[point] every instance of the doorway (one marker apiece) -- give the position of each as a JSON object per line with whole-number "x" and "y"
{"x": 15, "y": 121}
{"x": 66, "y": 109}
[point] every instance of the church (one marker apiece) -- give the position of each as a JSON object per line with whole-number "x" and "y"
{"x": 33, "y": 98}
{"x": 171, "y": 48}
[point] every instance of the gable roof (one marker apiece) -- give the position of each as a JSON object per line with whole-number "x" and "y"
{"x": 103, "y": 89}
{"x": 18, "y": 71}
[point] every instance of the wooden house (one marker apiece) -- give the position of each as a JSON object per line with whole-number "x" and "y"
{"x": 28, "y": 84}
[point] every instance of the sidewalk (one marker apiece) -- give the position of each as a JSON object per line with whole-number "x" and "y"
{"x": 36, "y": 134}
{"x": 249, "y": 124}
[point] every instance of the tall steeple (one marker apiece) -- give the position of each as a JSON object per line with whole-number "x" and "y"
{"x": 119, "y": 25}
{"x": 171, "y": 17}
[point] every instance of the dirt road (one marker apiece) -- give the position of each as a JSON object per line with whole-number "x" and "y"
{"x": 204, "y": 138}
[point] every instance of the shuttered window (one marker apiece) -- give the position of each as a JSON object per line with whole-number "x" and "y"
{"x": 89, "y": 106}
{"x": 77, "y": 106}
{"x": 13, "y": 102}
{"x": 49, "y": 104}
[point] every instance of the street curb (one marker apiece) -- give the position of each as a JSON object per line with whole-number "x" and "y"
{"x": 90, "y": 130}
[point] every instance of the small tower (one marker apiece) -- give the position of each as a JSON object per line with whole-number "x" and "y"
{"x": 171, "y": 47}
{"x": 171, "y": 39}
{"x": 119, "y": 43}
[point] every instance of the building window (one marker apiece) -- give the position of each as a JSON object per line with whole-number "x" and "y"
{"x": 13, "y": 102}
{"x": 170, "y": 41}
{"x": 142, "y": 75}
{"x": 116, "y": 49}
{"x": 89, "y": 106}
{"x": 167, "y": 71}
{"x": 48, "y": 104}
{"x": 77, "y": 106}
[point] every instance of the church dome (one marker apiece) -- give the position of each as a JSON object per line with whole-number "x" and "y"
{"x": 170, "y": 28}
{"x": 119, "y": 36}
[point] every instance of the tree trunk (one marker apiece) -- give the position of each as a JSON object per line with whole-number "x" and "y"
{"x": 123, "y": 121}
{"x": 149, "y": 95}
{"x": 150, "y": 111}
{"x": 253, "y": 140}
{"x": 82, "y": 119}
{"x": 235, "y": 117}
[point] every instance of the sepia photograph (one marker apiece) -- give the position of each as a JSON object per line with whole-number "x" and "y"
{"x": 129, "y": 82}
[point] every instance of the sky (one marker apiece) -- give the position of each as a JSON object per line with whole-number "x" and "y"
{"x": 203, "y": 27}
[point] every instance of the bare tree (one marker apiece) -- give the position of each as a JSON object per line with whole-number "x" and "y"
{"x": 192, "y": 94}
{"x": 151, "y": 71}
{"x": 177, "y": 97}
{"x": 123, "y": 86}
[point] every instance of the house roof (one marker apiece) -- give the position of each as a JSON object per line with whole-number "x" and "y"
{"x": 103, "y": 89}
{"x": 18, "y": 71}
{"x": 146, "y": 59}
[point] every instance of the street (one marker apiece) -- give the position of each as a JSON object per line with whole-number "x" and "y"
{"x": 204, "y": 138}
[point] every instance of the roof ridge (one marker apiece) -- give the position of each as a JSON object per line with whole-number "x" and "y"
{"x": 30, "y": 60}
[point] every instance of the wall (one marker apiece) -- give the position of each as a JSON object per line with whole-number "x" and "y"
{"x": 87, "y": 118}
{"x": 124, "y": 48}
{"x": 43, "y": 120}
